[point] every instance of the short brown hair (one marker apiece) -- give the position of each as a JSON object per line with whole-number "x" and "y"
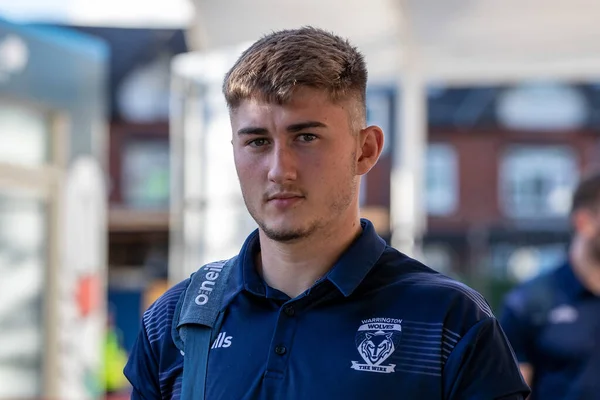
{"x": 274, "y": 66}
{"x": 587, "y": 193}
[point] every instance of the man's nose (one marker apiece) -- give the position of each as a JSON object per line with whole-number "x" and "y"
{"x": 283, "y": 165}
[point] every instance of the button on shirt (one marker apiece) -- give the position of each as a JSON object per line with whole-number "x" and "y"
{"x": 379, "y": 325}
{"x": 553, "y": 323}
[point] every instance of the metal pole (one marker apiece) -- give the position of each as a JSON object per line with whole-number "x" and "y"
{"x": 408, "y": 213}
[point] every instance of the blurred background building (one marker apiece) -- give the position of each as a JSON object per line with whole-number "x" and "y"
{"x": 501, "y": 164}
{"x": 116, "y": 174}
{"x": 52, "y": 211}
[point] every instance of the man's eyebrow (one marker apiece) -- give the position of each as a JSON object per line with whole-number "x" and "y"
{"x": 300, "y": 126}
{"x": 253, "y": 130}
{"x": 305, "y": 125}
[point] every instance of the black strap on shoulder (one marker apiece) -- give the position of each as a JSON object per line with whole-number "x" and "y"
{"x": 197, "y": 319}
{"x": 195, "y": 362}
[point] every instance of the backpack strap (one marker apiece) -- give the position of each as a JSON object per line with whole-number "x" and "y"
{"x": 197, "y": 319}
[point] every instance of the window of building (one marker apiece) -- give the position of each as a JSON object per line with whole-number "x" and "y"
{"x": 536, "y": 181}
{"x": 380, "y": 112}
{"x": 24, "y": 135}
{"x": 146, "y": 174}
{"x": 441, "y": 179}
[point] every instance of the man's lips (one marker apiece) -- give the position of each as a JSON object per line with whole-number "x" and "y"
{"x": 284, "y": 200}
{"x": 283, "y": 195}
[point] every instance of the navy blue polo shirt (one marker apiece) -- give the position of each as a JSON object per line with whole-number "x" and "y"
{"x": 379, "y": 325}
{"x": 553, "y": 323}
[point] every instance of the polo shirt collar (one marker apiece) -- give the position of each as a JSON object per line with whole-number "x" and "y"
{"x": 249, "y": 279}
{"x": 346, "y": 274}
{"x": 354, "y": 265}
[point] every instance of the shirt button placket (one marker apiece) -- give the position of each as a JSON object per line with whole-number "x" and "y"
{"x": 281, "y": 343}
{"x": 290, "y": 312}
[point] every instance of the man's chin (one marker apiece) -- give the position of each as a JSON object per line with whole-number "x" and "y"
{"x": 284, "y": 237}
{"x": 285, "y": 234}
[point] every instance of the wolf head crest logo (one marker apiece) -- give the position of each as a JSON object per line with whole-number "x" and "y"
{"x": 376, "y": 340}
{"x": 376, "y": 347}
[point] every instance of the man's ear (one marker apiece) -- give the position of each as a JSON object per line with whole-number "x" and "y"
{"x": 371, "y": 144}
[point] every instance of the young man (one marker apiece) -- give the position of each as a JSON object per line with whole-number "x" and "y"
{"x": 318, "y": 307}
{"x": 553, "y": 321}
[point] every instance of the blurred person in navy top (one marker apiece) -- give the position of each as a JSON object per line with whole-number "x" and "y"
{"x": 553, "y": 321}
{"x": 318, "y": 306}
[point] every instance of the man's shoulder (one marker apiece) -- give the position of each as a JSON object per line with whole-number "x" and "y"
{"x": 397, "y": 265}
{"x": 433, "y": 288}
{"x": 456, "y": 295}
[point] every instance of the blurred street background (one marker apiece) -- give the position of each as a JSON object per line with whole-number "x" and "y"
{"x": 117, "y": 178}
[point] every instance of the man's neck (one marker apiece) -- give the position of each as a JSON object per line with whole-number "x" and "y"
{"x": 586, "y": 268}
{"x": 294, "y": 267}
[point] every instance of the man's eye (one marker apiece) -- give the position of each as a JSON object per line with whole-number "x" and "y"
{"x": 258, "y": 142}
{"x": 307, "y": 137}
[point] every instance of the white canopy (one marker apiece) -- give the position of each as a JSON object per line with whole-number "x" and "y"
{"x": 453, "y": 41}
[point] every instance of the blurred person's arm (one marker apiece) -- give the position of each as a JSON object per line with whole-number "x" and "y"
{"x": 483, "y": 366}
{"x": 527, "y": 372}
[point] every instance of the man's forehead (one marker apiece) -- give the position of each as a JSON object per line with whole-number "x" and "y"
{"x": 300, "y": 107}
{"x": 298, "y": 97}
